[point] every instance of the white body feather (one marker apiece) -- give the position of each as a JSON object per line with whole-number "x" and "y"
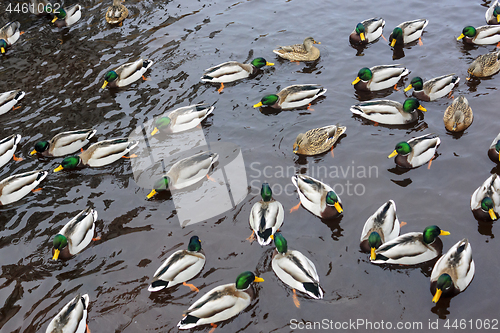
{"x": 407, "y": 249}
{"x": 191, "y": 170}
{"x": 9, "y": 99}
{"x": 384, "y": 112}
{"x": 72, "y": 318}
{"x": 10, "y": 32}
{"x": 226, "y": 72}
{"x": 66, "y": 143}
{"x": 384, "y": 219}
{"x": 487, "y": 35}
{"x": 80, "y": 230}
{"x": 8, "y": 147}
{"x": 422, "y": 150}
{"x": 131, "y": 72}
{"x": 188, "y": 117}
{"x": 385, "y": 76}
{"x": 491, "y": 188}
{"x": 17, "y": 186}
{"x": 412, "y": 30}
{"x": 312, "y": 193}
{"x": 107, "y": 151}
{"x": 301, "y": 98}
{"x": 490, "y": 18}
{"x": 272, "y": 213}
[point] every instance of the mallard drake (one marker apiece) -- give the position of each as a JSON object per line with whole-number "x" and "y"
{"x": 266, "y": 216}
{"x": 485, "y": 65}
{"x": 412, "y": 248}
{"x": 416, "y": 152}
{"x": 65, "y": 17}
{"x": 485, "y": 201}
{"x": 458, "y": 116}
{"x": 9, "y": 34}
{"x": 367, "y": 31}
{"x": 453, "y": 272}
{"x": 182, "y": 119}
{"x": 99, "y": 154}
{"x": 185, "y": 172}
{"x": 389, "y": 112}
{"x": 295, "y": 269}
{"x": 494, "y": 149}
{"x": 126, "y": 74}
{"x": 484, "y": 35}
{"x": 16, "y": 187}
{"x": 64, "y": 143}
{"x": 407, "y": 32}
{"x": 317, "y": 197}
{"x": 72, "y": 318}
{"x": 381, "y": 227}
{"x": 221, "y": 303}
{"x": 8, "y": 147}
{"x": 116, "y": 13}
{"x": 181, "y": 266}
{"x": 232, "y": 71}
{"x": 434, "y": 88}
{"x": 39, "y": 7}
{"x": 299, "y": 52}
{"x": 493, "y": 13}
{"x": 9, "y": 99}
{"x": 75, "y": 235}
{"x": 317, "y": 140}
{"x": 379, "y": 77}
{"x": 292, "y": 97}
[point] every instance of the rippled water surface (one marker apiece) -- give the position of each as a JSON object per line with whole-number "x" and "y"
{"x": 62, "y": 84}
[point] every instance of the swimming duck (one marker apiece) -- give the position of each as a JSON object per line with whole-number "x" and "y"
{"x": 493, "y": 13}
{"x": 485, "y": 65}
{"x": 72, "y": 318}
{"x": 299, "y": 52}
{"x": 317, "y": 140}
{"x": 367, "y": 31}
{"x": 434, "y": 88}
{"x": 232, "y": 71}
{"x": 416, "y": 152}
{"x": 453, "y": 272}
{"x": 494, "y": 149}
{"x": 181, "y": 266}
{"x": 412, "y": 248}
{"x": 292, "y": 97}
{"x": 9, "y": 99}
{"x": 485, "y": 35}
{"x": 458, "y": 116}
{"x": 126, "y": 74}
{"x": 65, "y": 17}
{"x": 99, "y": 154}
{"x": 9, "y": 34}
{"x": 295, "y": 269}
{"x": 185, "y": 172}
{"x": 266, "y": 216}
{"x": 182, "y": 119}
{"x": 407, "y": 32}
{"x": 317, "y": 197}
{"x": 64, "y": 143}
{"x": 8, "y": 148}
{"x": 485, "y": 201}
{"x": 116, "y": 13}
{"x": 389, "y": 112}
{"x": 16, "y": 187}
{"x": 381, "y": 227}
{"x": 75, "y": 235}
{"x": 221, "y": 303}
{"x": 40, "y": 7}
{"x": 379, "y": 77}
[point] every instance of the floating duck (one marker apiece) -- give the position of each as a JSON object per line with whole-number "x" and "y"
{"x": 434, "y": 88}
{"x": 126, "y": 74}
{"x": 292, "y": 97}
{"x": 367, "y": 31}
{"x": 9, "y": 34}
{"x": 65, "y": 17}
{"x": 492, "y": 15}
{"x": 221, "y": 303}
{"x": 16, "y": 187}
{"x": 318, "y": 140}
{"x": 416, "y": 152}
{"x": 485, "y": 35}
{"x": 485, "y": 201}
{"x": 9, "y": 99}
{"x": 458, "y": 116}
{"x": 116, "y": 13}
{"x": 485, "y": 65}
{"x": 453, "y": 272}
{"x": 381, "y": 227}
{"x": 379, "y": 77}
{"x": 181, "y": 266}
{"x": 412, "y": 248}
{"x": 494, "y": 149}
{"x": 72, "y": 318}
{"x": 266, "y": 216}
{"x": 64, "y": 143}
{"x": 75, "y": 235}
{"x": 182, "y": 119}
{"x": 408, "y": 32}
{"x": 8, "y": 147}
{"x": 299, "y": 52}
{"x": 389, "y": 112}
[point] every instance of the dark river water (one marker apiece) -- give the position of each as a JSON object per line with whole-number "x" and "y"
{"x": 62, "y": 84}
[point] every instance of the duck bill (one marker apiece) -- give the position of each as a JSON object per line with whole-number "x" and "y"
{"x": 372, "y": 254}
{"x": 454, "y": 128}
{"x": 444, "y": 233}
{"x": 492, "y": 214}
{"x": 498, "y": 18}
{"x": 104, "y": 85}
{"x": 151, "y": 194}
{"x": 258, "y": 279}
{"x": 315, "y": 42}
{"x": 421, "y": 108}
{"x": 258, "y": 105}
{"x": 3, "y": 49}
{"x": 55, "y": 19}
{"x": 437, "y": 295}
{"x": 461, "y": 36}
{"x": 408, "y": 88}
{"x": 337, "y": 207}
{"x": 356, "y": 81}
{"x": 269, "y": 63}
{"x": 56, "y": 254}
{"x": 59, "y": 168}
{"x": 394, "y": 153}
{"x": 393, "y": 42}
{"x": 155, "y": 130}
{"x": 33, "y": 152}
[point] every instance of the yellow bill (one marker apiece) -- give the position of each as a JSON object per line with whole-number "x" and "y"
{"x": 492, "y": 214}
{"x": 56, "y": 254}
{"x": 362, "y": 36}
{"x": 151, "y": 194}
{"x": 408, "y": 88}
{"x": 3, "y": 50}
{"x": 105, "y": 84}
{"x": 437, "y": 295}
{"x": 356, "y": 81}
{"x": 394, "y": 153}
{"x": 498, "y": 18}
{"x": 258, "y": 279}
{"x": 258, "y": 105}
{"x": 421, "y": 108}
{"x": 372, "y": 254}
{"x": 393, "y": 42}
{"x": 33, "y": 152}
{"x": 315, "y": 42}
{"x": 461, "y": 36}
{"x": 55, "y": 19}
{"x": 59, "y": 168}
{"x": 337, "y": 207}
{"x": 444, "y": 233}
{"x": 155, "y": 130}
{"x": 269, "y": 63}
